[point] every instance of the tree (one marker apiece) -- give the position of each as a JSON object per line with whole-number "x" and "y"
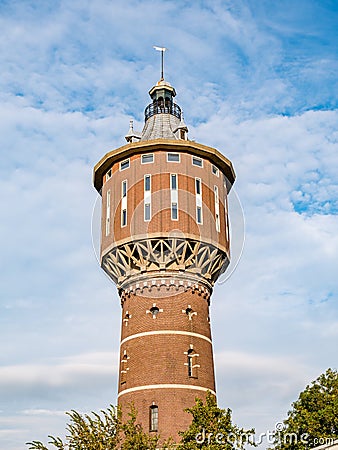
{"x": 313, "y": 419}
{"x": 103, "y": 432}
{"x": 212, "y": 428}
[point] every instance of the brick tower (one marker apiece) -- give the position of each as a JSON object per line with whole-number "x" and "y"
{"x": 165, "y": 241}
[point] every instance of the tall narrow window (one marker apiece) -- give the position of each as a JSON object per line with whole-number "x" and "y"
{"x": 174, "y": 196}
{"x": 190, "y": 363}
{"x": 174, "y": 214}
{"x": 217, "y": 220}
{"x": 147, "y": 183}
{"x": 124, "y": 203}
{"x": 173, "y": 181}
{"x": 199, "y": 214}
{"x": 198, "y": 192}
{"x": 147, "y": 212}
{"x": 198, "y": 186}
{"x": 147, "y": 197}
{"x": 226, "y": 217}
{"x": 108, "y": 213}
{"x": 153, "y": 419}
{"x": 124, "y": 188}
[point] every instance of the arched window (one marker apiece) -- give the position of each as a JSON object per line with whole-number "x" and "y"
{"x": 190, "y": 362}
{"x": 160, "y": 103}
{"x": 153, "y": 418}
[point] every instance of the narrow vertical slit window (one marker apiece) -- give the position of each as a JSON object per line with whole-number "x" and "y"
{"x": 108, "y": 213}
{"x": 190, "y": 363}
{"x": 174, "y": 196}
{"x": 147, "y": 183}
{"x": 174, "y": 213}
{"x": 199, "y": 214}
{"x": 198, "y": 195}
{"x": 147, "y": 198}
{"x": 147, "y": 212}
{"x": 217, "y": 220}
{"x": 198, "y": 186}
{"x": 173, "y": 181}
{"x": 124, "y": 203}
{"x": 153, "y": 418}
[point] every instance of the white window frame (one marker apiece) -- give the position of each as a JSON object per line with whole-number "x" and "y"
{"x": 174, "y": 153}
{"x": 217, "y": 217}
{"x": 198, "y": 196}
{"x": 171, "y": 181}
{"x": 147, "y": 197}
{"x": 108, "y": 199}
{"x": 153, "y": 418}
{"x": 108, "y": 175}
{"x": 226, "y": 218}
{"x": 215, "y": 170}
{"x": 125, "y": 161}
{"x": 124, "y": 204}
{"x": 197, "y": 158}
{"x": 173, "y": 196}
{"x": 147, "y": 162}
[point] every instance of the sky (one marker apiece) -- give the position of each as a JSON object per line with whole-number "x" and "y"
{"x": 256, "y": 80}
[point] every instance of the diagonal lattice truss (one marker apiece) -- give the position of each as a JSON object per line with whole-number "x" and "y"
{"x": 164, "y": 254}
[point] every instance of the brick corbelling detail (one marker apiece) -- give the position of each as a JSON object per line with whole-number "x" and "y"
{"x": 154, "y": 287}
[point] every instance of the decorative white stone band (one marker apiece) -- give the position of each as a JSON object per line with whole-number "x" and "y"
{"x": 151, "y": 333}
{"x": 166, "y": 386}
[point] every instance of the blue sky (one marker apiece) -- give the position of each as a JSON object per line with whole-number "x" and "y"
{"x": 257, "y": 80}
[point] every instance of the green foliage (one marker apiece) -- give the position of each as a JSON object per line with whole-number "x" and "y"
{"x": 212, "y": 428}
{"x": 134, "y": 437}
{"x": 314, "y": 416}
{"x": 88, "y": 432}
{"x": 103, "y": 432}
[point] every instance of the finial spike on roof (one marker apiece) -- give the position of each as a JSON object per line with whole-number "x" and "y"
{"x": 162, "y": 50}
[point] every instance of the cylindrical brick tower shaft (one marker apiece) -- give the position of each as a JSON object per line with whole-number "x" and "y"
{"x": 165, "y": 241}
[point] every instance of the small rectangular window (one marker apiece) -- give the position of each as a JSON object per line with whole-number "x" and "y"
{"x": 147, "y": 212}
{"x": 199, "y": 214}
{"x": 124, "y": 218}
{"x": 146, "y": 159}
{"x": 153, "y": 425}
{"x": 147, "y": 183}
{"x": 174, "y": 212}
{"x": 108, "y": 175}
{"x": 173, "y": 157}
{"x": 215, "y": 170}
{"x": 198, "y": 186}
{"x": 173, "y": 182}
{"x": 124, "y": 164}
{"x": 197, "y": 161}
{"x": 124, "y": 188}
